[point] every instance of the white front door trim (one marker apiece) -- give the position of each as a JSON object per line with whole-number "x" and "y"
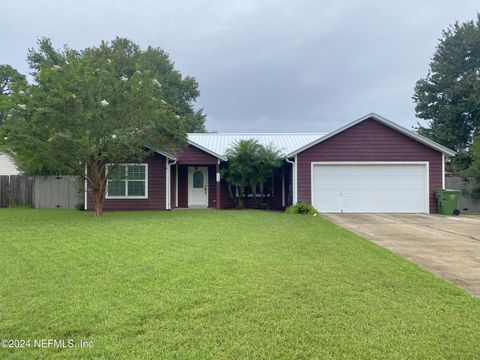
{"x": 425, "y": 163}
{"x": 198, "y": 197}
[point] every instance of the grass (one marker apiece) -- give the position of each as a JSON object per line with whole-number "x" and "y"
{"x": 221, "y": 285}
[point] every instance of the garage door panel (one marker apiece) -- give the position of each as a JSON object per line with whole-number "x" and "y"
{"x": 370, "y": 188}
{"x": 369, "y": 201}
{"x": 331, "y": 201}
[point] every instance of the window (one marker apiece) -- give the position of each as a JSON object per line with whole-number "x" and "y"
{"x": 267, "y": 190}
{"x": 197, "y": 179}
{"x": 127, "y": 181}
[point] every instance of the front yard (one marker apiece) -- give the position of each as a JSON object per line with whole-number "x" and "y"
{"x": 220, "y": 284}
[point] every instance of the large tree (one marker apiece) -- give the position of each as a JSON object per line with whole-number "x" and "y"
{"x": 10, "y": 81}
{"x": 449, "y": 96}
{"x": 474, "y": 168}
{"x": 107, "y": 104}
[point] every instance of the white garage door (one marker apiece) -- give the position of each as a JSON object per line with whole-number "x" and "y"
{"x": 366, "y": 187}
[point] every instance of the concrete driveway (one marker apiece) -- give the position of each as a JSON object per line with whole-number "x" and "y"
{"x": 449, "y": 246}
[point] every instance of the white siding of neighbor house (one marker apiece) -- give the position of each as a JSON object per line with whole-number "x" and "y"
{"x": 7, "y": 165}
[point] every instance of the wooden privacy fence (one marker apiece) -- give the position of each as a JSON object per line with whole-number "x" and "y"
{"x": 41, "y": 192}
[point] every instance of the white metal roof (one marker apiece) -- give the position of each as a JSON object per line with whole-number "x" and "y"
{"x": 290, "y": 144}
{"x": 218, "y": 143}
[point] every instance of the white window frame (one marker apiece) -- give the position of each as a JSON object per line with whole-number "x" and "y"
{"x": 126, "y": 182}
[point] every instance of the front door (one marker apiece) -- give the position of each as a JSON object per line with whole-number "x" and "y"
{"x": 197, "y": 186}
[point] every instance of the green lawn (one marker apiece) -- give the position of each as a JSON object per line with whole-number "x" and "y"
{"x": 220, "y": 284}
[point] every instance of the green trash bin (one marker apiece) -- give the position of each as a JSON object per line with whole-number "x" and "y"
{"x": 447, "y": 201}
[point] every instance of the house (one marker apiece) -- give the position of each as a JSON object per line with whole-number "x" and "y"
{"x": 8, "y": 165}
{"x": 369, "y": 165}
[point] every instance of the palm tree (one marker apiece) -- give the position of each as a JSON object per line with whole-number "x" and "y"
{"x": 242, "y": 158}
{"x": 250, "y": 164}
{"x": 270, "y": 161}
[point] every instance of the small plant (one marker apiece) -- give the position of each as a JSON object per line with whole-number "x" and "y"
{"x": 265, "y": 206}
{"x": 301, "y": 208}
{"x": 20, "y": 206}
{"x": 80, "y": 206}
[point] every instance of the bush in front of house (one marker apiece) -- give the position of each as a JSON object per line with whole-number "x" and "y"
{"x": 301, "y": 208}
{"x": 80, "y": 206}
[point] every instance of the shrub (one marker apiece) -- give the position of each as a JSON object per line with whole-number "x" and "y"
{"x": 301, "y": 208}
{"x": 80, "y": 206}
{"x": 20, "y": 206}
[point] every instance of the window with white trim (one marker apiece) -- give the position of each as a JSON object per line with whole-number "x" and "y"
{"x": 127, "y": 181}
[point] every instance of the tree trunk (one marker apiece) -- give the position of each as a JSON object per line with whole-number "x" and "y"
{"x": 271, "y": 188}
{"x": 242, "y": 197}
{"x": 97, "y": 180}
{"x": 262, "y": 190}
{"x": 98, "y": 197}
{"x": 234, "y": 198}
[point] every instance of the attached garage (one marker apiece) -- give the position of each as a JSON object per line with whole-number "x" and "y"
{"x": 371, "y": 165}
{"x": 374, "y": 187}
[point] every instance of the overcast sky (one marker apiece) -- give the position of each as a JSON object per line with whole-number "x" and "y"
{"x": 262, "y": 66}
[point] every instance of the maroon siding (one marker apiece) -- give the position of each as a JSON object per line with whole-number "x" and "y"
{"x": 190, "y": 155}
{"x": 369, "y": 141}
{"x": 173, "y": 170}
{"x": 212, "y": 187}
{"x": 182, "y": 186}
{"x": 156, "y": 190}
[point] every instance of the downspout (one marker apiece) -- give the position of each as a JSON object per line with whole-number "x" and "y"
{"x": 169, "y": 188}
{"x": 85, "y": 185}
{"x": 176, "y": 186}
{"x": 443, "y": 171}
{"x": 294, "y": 179}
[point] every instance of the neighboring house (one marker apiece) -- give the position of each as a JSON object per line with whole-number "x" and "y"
{"x": 8, "y": 165}
{"x": 369, "y": 165}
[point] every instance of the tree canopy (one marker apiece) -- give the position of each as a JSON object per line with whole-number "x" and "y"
{"x": 473, "y": 169}
{"x": 448, "y": 97}
{"x": 110, "y": 103}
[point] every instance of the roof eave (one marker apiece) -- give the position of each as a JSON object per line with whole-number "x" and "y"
{"x": 164, "y": 153}
{"x": 193, "y": 143}
{"x": 161, "y": 152}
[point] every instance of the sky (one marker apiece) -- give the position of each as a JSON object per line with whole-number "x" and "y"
{"x": 262, "y": 66}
